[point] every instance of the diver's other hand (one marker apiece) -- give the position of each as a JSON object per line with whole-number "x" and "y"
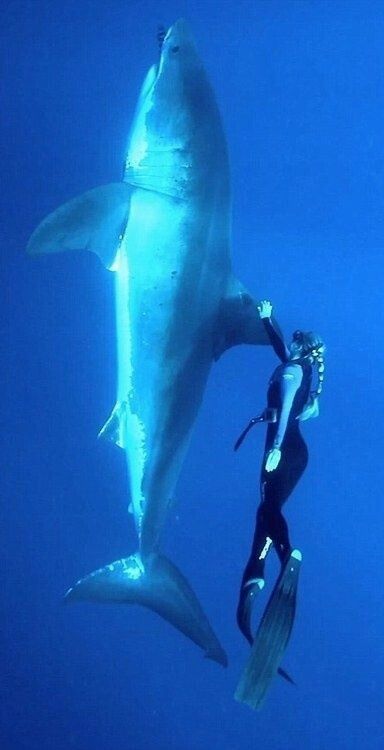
{"x": 265, "y": 308}
{"x": 273, "y": 459}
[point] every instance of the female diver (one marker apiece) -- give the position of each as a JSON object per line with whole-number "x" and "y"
{"x": 290, "y": 400}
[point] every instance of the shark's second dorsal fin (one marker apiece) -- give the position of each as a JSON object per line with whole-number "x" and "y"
{"x": 93, "y": 221}
{"x": 238, "y": 321}
{"x": 113, "y": 429}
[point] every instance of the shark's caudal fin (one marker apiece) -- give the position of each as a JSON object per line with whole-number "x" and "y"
{"x": 238, "y": 321}
{"x": 158, "y": 585}
{"x": 94, "y": 221}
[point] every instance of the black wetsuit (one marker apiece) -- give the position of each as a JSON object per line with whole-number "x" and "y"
{"x": 277, "y": 485}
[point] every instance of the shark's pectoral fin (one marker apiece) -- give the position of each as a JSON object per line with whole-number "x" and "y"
{"x": 158, "y": 585}
{"x": 238, "y": 321}
{"x": 94, "y": 221}
{"x": 113, "y": 429}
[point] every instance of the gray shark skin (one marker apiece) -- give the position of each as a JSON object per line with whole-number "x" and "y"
{"x": 165, "y": 234}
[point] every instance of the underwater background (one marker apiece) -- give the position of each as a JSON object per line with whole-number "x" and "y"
{"x": 300, "y": 85}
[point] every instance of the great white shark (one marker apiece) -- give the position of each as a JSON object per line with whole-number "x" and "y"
{"x": 164, "y": 232}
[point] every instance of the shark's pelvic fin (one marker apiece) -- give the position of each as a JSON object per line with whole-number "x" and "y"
{"x": 238, "y": 321}
{"x": 113, "y": 428}
{"x": 94, "y": 221}
{"x": 158, "y": 585}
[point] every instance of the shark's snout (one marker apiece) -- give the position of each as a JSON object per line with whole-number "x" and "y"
{"x": 178, "y": 40}
{"x": 179, "y": 32}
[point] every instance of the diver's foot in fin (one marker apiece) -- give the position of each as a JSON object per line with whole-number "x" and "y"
{"x": 248, "y": 594}
{"x": 272, "y": 636}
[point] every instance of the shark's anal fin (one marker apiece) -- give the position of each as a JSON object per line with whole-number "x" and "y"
{"x": 94, "y": 221}
{"x": 158, "y": 585}
{"x": 238, "y": 321}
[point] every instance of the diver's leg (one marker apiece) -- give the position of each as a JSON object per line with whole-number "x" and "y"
{"x": 271, "y": 526}
{"x": 280, "y": 535}
{"x": 279, "y": 488}
{"x": 271, "y": 529}
{"x": 253, "y": 576}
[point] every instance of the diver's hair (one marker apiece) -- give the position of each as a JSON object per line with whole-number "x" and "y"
{"x": 313, "y": 350}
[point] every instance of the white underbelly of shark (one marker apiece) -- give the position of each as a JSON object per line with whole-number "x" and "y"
{"x": 164, "y": 233}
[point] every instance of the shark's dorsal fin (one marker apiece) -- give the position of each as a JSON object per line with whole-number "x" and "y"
{"x": 93, "y": 221}
{"x": 238, "y": 321}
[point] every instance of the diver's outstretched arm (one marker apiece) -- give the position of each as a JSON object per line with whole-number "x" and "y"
{"x": 277, "y": 341}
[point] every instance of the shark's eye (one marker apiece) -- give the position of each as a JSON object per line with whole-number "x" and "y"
{"x": 175, "y": 49}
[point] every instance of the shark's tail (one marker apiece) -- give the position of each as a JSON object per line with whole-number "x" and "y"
{"x": 158, "y": 585}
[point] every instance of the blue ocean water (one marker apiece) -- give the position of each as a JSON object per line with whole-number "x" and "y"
{"x": 300, "y": 88}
